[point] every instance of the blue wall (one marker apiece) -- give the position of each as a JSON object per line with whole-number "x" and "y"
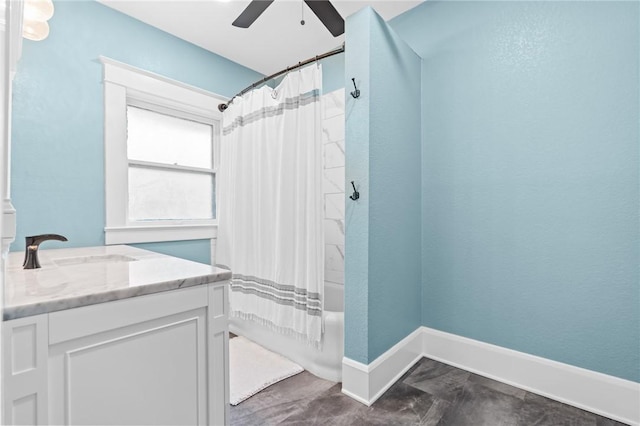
{"x": 530, "y": 176}
{"x": 356, "y": 266}
{"x": 383, "y": 145}
{"x": 333, "y": 73}
{"x": 58, "y": 152}
{"x": 529, "y": 166}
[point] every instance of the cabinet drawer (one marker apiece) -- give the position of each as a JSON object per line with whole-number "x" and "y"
{"x": 80, "y": 322}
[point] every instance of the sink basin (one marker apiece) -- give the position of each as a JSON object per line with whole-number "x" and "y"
{"x": 106, "y": 258}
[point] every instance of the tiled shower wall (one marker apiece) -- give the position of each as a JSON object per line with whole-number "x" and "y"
{"x": 333, "y": 186}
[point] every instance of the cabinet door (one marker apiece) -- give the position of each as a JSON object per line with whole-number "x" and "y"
{"x": 152, "y": 372}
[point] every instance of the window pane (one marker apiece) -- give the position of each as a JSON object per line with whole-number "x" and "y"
{"x": 156, "y": 194}
{"x": 160, "y": 138}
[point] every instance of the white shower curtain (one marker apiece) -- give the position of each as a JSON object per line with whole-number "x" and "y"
{"x": 270, "y": 205}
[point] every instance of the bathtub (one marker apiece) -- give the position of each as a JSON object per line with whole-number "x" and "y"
{"x": 326, "y": 362}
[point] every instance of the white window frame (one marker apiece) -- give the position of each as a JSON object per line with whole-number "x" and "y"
{"x": 126, "y": 85}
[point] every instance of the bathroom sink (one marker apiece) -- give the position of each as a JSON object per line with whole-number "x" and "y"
{"x": 106, "y": 258}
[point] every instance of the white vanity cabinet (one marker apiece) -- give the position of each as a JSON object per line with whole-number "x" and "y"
{"x": 154, "y": 359}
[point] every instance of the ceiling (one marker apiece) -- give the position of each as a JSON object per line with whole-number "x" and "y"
{"x": 274, "y": 41}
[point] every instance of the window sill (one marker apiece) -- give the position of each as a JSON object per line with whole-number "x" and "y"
{"x": 160, "y": 233}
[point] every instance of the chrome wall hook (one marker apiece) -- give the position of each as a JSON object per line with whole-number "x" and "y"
{"x": 355, "y": 93}
{"x": 356, "y": 194}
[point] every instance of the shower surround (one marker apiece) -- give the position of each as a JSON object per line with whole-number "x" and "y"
{"x": 333, "y": 186}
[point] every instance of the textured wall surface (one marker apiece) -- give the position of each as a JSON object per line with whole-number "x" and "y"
{"x": 332, "y": 73}
{"x": 57, "y": 153}
{"x": 383, "y": 157}
{"x": 530, "y": 176}
{"x": 356, "y": 267}
{"x": 394, "y": 192}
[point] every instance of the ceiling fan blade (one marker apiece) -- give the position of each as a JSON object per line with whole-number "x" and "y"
{"x": 328, "y": 15}
{"x": 251, "y": 13}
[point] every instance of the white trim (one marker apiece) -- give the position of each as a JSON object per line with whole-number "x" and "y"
{"x": 11, "y": 50}
{"x": 11, "y": 22}
{"x": 214, "y": 244}
{"x": 125, "y": 78}
{"x": 8, "y": 232}
{"x": 151, "y": 234}
{"x": 598, "y": 393}
{"x": 602, "y": 394}
{"x": 152, "y": 165}
{"x": 367, "y": 383}
{"x": 127, "y": 85}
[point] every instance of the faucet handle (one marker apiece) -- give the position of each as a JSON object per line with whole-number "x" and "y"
{"x": 31, "y": 248}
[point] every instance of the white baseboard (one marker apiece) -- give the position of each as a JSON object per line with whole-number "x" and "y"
{"x": 598, "y": 393}
{"x": 367, "y": 383}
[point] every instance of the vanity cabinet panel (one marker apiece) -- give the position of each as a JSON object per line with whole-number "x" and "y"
{"x": 149, "y": 373}
{"x": 155, "y": 359}
{"x": 89, "y": 320}
{"x": 25, "y": 371}
{"x": 219, "y": 344}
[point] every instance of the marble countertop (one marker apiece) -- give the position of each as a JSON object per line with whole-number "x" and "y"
{"x": 70, "y": 278}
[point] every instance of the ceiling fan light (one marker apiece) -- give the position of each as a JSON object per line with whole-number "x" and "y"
{"x": 38, "y": 10}
{"x": 35, "y": 30}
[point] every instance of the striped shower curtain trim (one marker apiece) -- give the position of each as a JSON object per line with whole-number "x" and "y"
{"x": 272, "y": 111}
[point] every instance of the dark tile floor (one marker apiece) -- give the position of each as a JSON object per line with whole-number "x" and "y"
{"x": 430, "y": 393}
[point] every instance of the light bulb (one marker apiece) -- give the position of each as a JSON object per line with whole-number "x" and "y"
{"x": 35, "y": 30}
{"x": 38, "y": 10}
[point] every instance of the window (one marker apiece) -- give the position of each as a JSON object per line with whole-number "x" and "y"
{"x": 171, "y": 172}
{"x": 161, "y": 142}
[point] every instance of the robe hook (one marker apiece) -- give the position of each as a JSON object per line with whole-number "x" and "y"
{"x": 355, "y": 93}
{"x": 356, "y": 194}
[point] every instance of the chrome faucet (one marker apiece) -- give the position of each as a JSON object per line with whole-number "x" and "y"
{"x": 31, "y": 250}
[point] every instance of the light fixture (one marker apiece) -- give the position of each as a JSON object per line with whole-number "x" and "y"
{"x": 36, "y": 15}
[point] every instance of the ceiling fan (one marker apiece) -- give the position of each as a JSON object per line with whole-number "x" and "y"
{"x": 323, "y": 9}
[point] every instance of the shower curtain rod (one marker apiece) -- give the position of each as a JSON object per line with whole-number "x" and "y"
{"x": 225, "y": 105}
